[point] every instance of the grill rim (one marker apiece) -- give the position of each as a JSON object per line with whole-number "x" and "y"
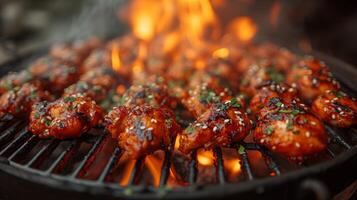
{"x": 348, "y": 158}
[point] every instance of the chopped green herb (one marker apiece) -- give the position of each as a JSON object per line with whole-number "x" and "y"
{"x": 268, "y": 130}
{"x": 241, "y": 150}
{"x": 235, "y": 103}
{"x": 275, "y": 75}
{"x": 48, "y": 122}
{"x": 37, "y": 115}
{"x": 278, "y": 104}
{"x": 69, "y": 99}
{"x": 295, "y": 112}
{"x": 339, "y": 94}
{"x": 289, "y": 125}
{"x": 208, "y": 96}
{"x": 190, "y": 129}
{"x": 285, "y": 111}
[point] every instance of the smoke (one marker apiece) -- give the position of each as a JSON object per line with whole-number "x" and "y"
{"x": 96, "y": 18}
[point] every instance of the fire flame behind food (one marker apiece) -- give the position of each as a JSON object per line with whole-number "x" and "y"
{"x": 184, "y": 27}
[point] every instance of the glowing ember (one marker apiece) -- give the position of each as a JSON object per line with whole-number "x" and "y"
{"x": 232, "y": 166}
{"x": 244, "y": 28}
{"x": 221, "y": 53}
{"x": 116, "y": 64}
{"x": 154, "y": 166}
{"x": 127, "y": 172}
{"x": 121, "y": 89}
{"x": 205, "y": 158}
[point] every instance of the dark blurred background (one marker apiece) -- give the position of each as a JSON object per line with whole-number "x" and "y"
{"x": 329, "y": 26}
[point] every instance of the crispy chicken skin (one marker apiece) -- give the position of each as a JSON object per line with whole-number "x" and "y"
{"x": 67, "y": 117}
{"x": 153, "y": 94}
{"x": 101, "y": 76}
{"x": 265, "y": 94}
{"x": 14, "y": 79}
{"x": 54, "y": 74}
{"x": 74, "y": 52}
{"x": 18, "y": 102}
{"x": 291, "y": 132}
{"x": 258, "y": 76}
{"x": 95, "y": 92}
{"x": 312, "y": 78}
{"x": 336, "y": 108}
{"x": 221, "y": 125}
{"x": 143, "y": 129}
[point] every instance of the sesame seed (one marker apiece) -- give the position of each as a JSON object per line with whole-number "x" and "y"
{"x": 297, "y": 144}
{"x": 215, "y": 129}
{"x": 333, "y": 116}
{"x": 142, "y": 127}
{"x": 204, "y": 127}
{"x": 307, "y": 134}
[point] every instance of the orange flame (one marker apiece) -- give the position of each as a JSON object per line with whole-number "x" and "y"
{"x": 127, "y": 172}
{"x": 196, "y": 16}
{"x": 221, "y": 53}
{"x": 244, "y": 28}
{"x": 233, "y": 166}
{"x": 116, "y": 64}
{"x": 153, "y": 164}
{"x": 204, "y": 157}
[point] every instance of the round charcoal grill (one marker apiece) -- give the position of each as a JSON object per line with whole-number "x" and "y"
{"x": 31, "y": 168}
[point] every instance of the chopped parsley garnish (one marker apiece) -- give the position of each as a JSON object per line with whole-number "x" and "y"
{"x": 275, "y": 76}
{"x": 241, "y": 150}
{"x": 208, "y": 96}
{"x": 289, "y": 125}
{"x": 37, "y": 115}
{"x": 295, "y": 112}
{"x": 69, "y": 99}
{"x": 278, "y": 104}
{"x": 285, "y": 111}
{"x": 235, "y": 103}
{"x": 48, "y": 122}
{"x": 190, "y": 129}
{"x": 339, "y": 94}
{"x": 268, "y": 130}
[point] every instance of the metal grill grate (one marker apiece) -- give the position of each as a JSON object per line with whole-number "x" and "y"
{"x": 17, "y": 142}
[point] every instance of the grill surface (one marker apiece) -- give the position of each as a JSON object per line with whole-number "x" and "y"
{"x": 57, "y": 166}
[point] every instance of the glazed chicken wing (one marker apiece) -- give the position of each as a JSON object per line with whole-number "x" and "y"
{"x": 311, "y": 78}
{"x": 143, "y": 129}
{"x": 14, "y": 79}
{"x": 54, "y": 74}
{"x": 336, "y": 108}
{"x": 291, "y": 132}
{"x": 221, "y": 125}
{"x": 18, "y": 102}
{"x": 67, "y": 117}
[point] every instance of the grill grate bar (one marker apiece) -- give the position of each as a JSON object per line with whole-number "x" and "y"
{"x": 219, "y": 165}
{"x": 136, "y": 171}
{"x": 245, "y": 163}
{"x": 193, "y": 168}
{"x": 336, "y": 137}
{"x": 90, "y": 153}
{"x": 10, "y": 130}
{"x": 39, "y": 153}
{"x": 23, "y": 146}
{"x": 165, "y": 169}
{"x": 17, "y": 139}
{"x": 108, "y": 168}
{"x": 60, "y": 157}
{"x": 332, "y": 154}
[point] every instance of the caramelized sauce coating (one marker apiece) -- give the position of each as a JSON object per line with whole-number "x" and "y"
{"x": 143, "y": 129}
{"x": 336, "y": 108}
{"x": 67, "y": 117}
{"x": 18, "y": 101}
{"x": 221, "y": 125}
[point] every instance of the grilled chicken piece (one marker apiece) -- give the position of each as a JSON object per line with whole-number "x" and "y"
{"x": 74, "y": 52}
{"x": 258, "y": 76}
{"x": 221, "y": 125}
{"x": 14, "y": 79}
{"x": 96, "y": 58}
{"x": 311, "y": 78}
{"x": 273, "y": 95}
{"x": 153, "y": 94}
{"x": 54, "y": 74}
{"x": 18, "y": 102}
{"x": 67, "y": 117}
{"x": 95, "y": 92}
{"x": 336, "y": 108}
{"x": 101, "y": 76}
{"x": 291, "y": 132}
{"x": 143, "y": 129}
